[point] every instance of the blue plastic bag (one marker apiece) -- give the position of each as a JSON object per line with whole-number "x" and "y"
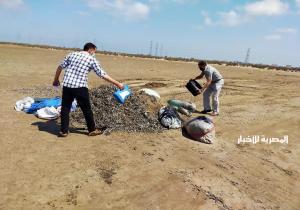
{"x": 45, "y": 102}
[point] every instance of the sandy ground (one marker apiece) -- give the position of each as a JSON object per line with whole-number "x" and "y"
{"x": 38, "y": 170}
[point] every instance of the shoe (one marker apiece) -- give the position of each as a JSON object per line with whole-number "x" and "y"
{"x": 214, "y": 114}
{"x": 206, "y": 111}
{"x": 62, "y": 134}
{"x": 95, "y": 133}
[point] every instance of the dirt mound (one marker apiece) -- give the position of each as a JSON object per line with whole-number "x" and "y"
{"x": 138, "y": 114}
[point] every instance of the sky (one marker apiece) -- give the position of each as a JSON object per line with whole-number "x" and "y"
{"x": 215, "y": 29}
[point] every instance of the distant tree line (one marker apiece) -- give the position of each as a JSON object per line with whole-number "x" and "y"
{"x": 226, "y": 63}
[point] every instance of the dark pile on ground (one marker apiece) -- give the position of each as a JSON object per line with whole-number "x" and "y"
{"x": 138, "y": 114}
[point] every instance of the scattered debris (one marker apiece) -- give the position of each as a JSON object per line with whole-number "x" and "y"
{"x": 106, "y": 170}
{"x": 71, "y": 198}
{"x": 137, "y": 115}
{"x": 107, "y": 175}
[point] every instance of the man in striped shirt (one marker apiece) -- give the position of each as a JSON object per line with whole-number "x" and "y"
{"x": 77, "y": 65}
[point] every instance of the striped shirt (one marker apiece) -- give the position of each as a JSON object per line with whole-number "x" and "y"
{"x": 77, "y": 65}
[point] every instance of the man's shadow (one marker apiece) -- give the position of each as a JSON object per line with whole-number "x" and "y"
{"x": 53, "y": 127}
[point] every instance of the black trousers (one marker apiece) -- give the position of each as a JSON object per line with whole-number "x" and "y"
{"x": 83, "y": 99}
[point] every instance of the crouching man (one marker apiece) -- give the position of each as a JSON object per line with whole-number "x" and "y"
{"x": 212, "y": 87}
{"x": 77, "y": 65}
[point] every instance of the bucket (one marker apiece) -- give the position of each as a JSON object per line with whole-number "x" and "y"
{"x": 194, "y": 87}
{"x": 122, "y": 95}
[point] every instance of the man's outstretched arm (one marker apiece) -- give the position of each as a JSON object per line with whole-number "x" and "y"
{"x": 101, "y": 73}
{"x": 107, "y": 78}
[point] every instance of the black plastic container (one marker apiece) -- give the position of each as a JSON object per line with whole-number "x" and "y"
{"x": 194, "y": 87}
